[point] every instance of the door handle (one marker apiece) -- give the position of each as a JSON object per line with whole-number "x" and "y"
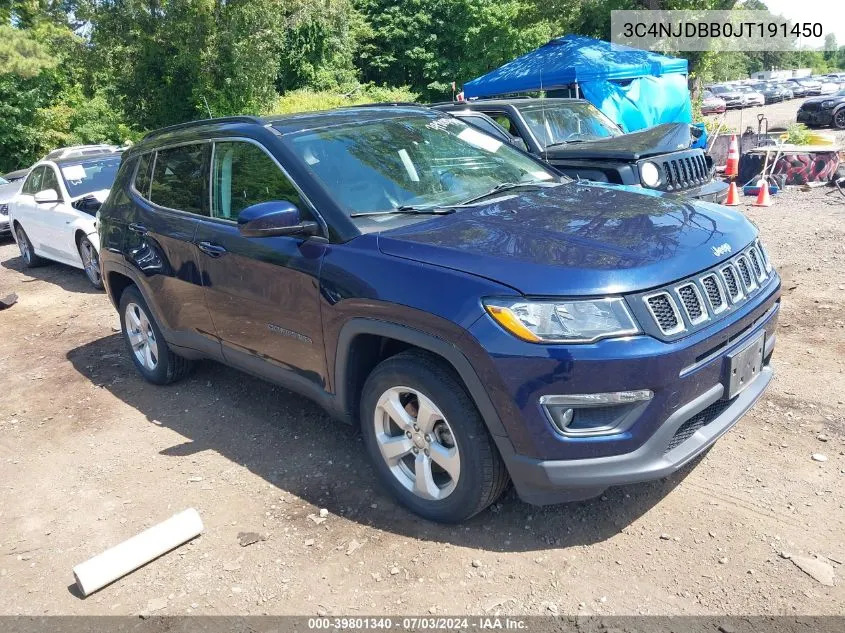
{"x": 138, "y": 228}
{"x": 212, "y": 250}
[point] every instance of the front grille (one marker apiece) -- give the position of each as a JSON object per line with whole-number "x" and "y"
{"x": 714, "y": 292}
{"x": 696, "y": 422}
{"x": 732, "y": 283}
{"x": 745, "y": 272}
{"x": 663, "y": 310}
{"x": 692, "y": 302}
{"x": 682, "y": 170}
{"x": 809, "y": 107}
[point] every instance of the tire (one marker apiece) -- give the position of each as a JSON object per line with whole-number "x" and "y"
{"x": 145, "y": 343}
{"x": 416, "y": 382}
{"x": 90, "y": 262}
{"x": 30, "y": 259}
{"x": 839, "y": 119}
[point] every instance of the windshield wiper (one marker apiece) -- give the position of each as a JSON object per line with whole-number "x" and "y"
{"x": 406, "y": 209}
{"x": 505, "y": 186}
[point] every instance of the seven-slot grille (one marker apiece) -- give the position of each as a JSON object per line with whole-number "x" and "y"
{"x": 683, "y": 170}
{"x": 710, "y": 294}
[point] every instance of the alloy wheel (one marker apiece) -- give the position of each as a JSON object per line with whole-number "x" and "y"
{"x": 90, "y": 261}
{"x": 839, "y": 119}
{"x": 141, "y": 336}
{"x": 417, "y": 443}
{"x": 23, "y": 243}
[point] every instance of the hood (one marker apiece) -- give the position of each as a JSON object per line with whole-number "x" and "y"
{"x": 9, "y": 191}
{"x": 576, "y": 239}
{"x": 821, "y": 98}
{"x": 661, "y": 139}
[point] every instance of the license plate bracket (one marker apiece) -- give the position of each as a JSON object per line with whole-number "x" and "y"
{"x": 745, "y": 365}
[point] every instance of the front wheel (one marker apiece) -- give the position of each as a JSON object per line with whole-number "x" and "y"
{"x": 149, "y": 351}
{"x": 839, "y": 119}
{"x": 427, "y": 440}
{"x": 90, "y": 262}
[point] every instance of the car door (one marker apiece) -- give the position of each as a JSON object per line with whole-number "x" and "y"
{"x": 23, "y": 210}
{"x": 262, "y": 292}
{"x": 170, "y": 193}
{"x": 57, "y": 220}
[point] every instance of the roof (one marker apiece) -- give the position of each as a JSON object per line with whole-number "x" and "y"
{"x": 518, "y": 102}
{"x": 570, "y": 59}
{"x": 76, "y": 160}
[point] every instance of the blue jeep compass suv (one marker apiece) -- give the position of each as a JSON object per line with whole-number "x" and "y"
{"x": 481, "y": 317}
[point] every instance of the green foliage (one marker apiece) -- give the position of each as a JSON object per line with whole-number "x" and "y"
{"x": 306, "y": 99}
{"x": 797, "y": 134}
{"x": 21, "y": 54}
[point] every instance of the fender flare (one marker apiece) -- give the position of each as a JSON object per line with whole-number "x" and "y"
{"x": 447, "y": 351}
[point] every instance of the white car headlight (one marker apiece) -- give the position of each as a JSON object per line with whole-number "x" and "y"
{"x": 649, "y": 174}
{"x": 565, "y": 321}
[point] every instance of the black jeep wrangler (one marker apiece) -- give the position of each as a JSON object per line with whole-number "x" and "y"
{"x": 580, "y": 141}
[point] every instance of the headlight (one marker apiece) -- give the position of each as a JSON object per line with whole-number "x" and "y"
{"x": 827, "y": 105}
{"x": 649, "y": 174}
{"x": 563, "y": 321}
{"x": 4, "y": 209}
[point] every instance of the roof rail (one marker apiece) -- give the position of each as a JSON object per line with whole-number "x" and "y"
{"x": 189, "y": 124}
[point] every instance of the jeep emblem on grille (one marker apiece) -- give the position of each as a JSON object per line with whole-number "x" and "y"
{"x": 722, "y": 249}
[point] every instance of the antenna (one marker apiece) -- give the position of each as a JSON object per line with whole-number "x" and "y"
{"x": 210, "y": 116}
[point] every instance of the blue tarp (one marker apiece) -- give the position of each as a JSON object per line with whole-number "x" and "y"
{"x": 635, "y": 88}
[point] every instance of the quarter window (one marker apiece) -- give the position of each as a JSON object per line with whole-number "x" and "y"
{"x": 33, "y": 181}
{"x": 242, "y": 175}
{"x": 179, "y": 178}
{"x": 142, "y": 176}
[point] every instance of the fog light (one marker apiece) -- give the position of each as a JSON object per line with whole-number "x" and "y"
{"x": 592, "y": 414}
{"x": 560, "y": 416}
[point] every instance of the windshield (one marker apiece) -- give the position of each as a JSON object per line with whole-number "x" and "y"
{"x": 90, "y": 175}
{"x": 558, "y": 123}
{"x": 410, "y": 161}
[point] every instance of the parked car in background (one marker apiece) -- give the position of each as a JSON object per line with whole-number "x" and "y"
{"x": 8, "y": 190}
{"x": 798, "y": 89}
{"x": 823, "y": 110}
{"x": 828, "y": 87}
{"x": 751, "y": 96}
{"x": 786, "y": 89}
{"x": 80, "y": 151}
{"x": 574, "y": 137}
{"x": 811, "y": 86}
{"x": 771, "y": 93}
{"x": 54, "y": 215}
{"x": 732, "y": 97}
{"x": 479, "y": 317}
{"x": 711, "y": 104}
{"x": 14, "y": 176}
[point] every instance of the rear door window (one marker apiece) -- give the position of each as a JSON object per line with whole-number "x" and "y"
{"x": 180, "y": 178}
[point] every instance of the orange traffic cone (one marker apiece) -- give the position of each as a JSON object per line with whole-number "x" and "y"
{"x": 732, "y": 166}
{"x": 763, "y": 198}
{"x": 733, "y": 196}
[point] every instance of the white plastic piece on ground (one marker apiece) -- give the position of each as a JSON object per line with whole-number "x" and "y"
{"x": 105, "y": 568}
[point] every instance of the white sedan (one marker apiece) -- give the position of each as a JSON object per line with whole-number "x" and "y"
{"x": 54, "y": 215}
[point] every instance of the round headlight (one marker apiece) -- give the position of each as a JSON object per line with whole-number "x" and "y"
{"x": 649, "y": 174}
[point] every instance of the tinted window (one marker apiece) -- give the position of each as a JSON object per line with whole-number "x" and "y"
{"x": 142, "y": 176}
{"x": 485, "y": 125}
{"x": 51, "y": 181}
{"x": 33, "y": 182}
{"x": 243, "y": 175}
{"x": 179, "y": 178}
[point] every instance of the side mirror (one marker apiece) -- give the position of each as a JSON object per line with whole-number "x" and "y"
{"x": 46, "y": 195}
{"x": 274, "y": 218}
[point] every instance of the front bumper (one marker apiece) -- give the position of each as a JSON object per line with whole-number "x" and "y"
{"x": 817, "y": 117}
{"x": 555, "y": 481}
{"x": 687, "y": 414}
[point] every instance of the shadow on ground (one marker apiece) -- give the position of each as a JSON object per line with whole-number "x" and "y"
{"x": 289, "y": 441}
{"x": 66, "y": 277}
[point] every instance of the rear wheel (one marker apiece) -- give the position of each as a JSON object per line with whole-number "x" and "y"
{"x": 145, "y": 343}
{"x": 90, "y": 262}
{"x": 427, "y": 441}
{"x": 30, "y": 259}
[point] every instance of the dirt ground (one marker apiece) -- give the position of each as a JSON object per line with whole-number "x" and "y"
{"x": 90, "y": 455}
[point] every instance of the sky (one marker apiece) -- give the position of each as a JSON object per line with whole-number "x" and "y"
{"x": 829, "y": 13}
